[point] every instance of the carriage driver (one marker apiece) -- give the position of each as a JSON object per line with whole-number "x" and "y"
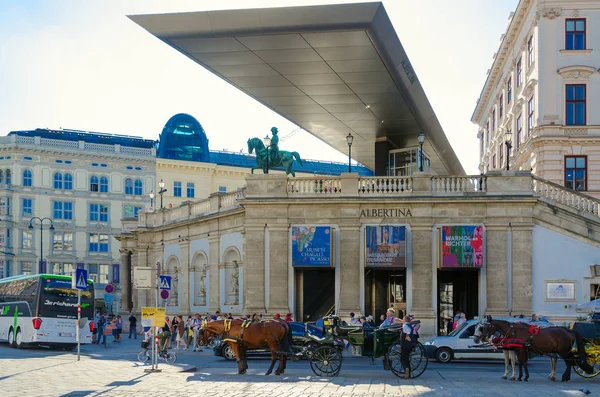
{"x": 409, "y": 339}
{"x": 390, "y": 319}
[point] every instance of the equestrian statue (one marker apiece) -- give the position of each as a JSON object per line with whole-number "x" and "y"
{"x": 277, "y": 158}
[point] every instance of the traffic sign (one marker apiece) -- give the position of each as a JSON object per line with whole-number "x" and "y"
{"x": 109, "y": 288}
{"x": 109, "y": 298}
{"x": 79, "y": 279}
{"x": 164, "y": 294}
{"x": 165, "y": 282}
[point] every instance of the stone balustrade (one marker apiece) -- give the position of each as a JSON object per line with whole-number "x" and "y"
{"x": 458, "y": 184}
{"x": 560, "y": 194}
{"x": 78, "y": 145}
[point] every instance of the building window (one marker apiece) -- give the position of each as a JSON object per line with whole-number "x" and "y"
{"x": 94, "y": 183}
{"x": 138, "y": 187}
{"x": 487, "y": 134}
{"x": 98, "y": 273}
{"x": 58, "y": 180}
{"x": 98, "y": 213}
{"x": 576, "y": 104}
{"x": 68, "y": 182}
{"x": 131, "y": 211}
{"x": 103, "y": 184}
{"x": 509, "y": 90}
{"x": 519, "y": 73}
{"x": 5, "y": 206}
{"x": 26, "y": 239}
{"x": 63, "y": 210}
{"x": 98, "y": 242}
{"x": 530, "y": 51}
{"x": 519, "y": 130}
{"x": 223, "y": 189}
{"x": 501, "y": 107}
{"x": 8, "y": 178}
{"x": 27, "y": 207}
{"x": 62, "y": 268}
{"x": 62, "y": 242}
{"x": 177, "y": 189}
{"x": 530, "y": 119}
{"x": 190, "y": 190}
{"x": 493, "y": 120}
{"x": 575, "y": 34}
{"x": 27, "y": 178}
{"x": 26, "y": 268}
{"x": 575, "y": 172}
{"x": 501, "y": 164}
{"x": 128, "y": 186}
{"x": 494, "y": 162}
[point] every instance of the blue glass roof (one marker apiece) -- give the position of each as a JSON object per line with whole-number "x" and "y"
{"x": 313, "y": 167}
{"x": 91, "y": 137}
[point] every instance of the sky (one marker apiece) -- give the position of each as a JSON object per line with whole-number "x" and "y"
{"x": 85, "y": 65}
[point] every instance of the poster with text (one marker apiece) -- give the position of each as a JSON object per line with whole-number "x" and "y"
{"x": 385, "y": 246}
{"x": 462, "y": 246}
{"x": 311, "y": 246}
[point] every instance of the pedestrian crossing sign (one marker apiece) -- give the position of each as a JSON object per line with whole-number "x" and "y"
{"x": 79, "y": 279}
{"x": 165, "y": 282}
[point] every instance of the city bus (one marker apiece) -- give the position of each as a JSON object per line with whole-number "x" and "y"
{"x": 41, "y": 310}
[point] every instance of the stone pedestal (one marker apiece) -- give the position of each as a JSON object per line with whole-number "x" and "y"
{"x": 422, "y": 278}
{"x": 522, "y": 267}
{"x": 254, "y": 263}
{"x": 277, "y": 284}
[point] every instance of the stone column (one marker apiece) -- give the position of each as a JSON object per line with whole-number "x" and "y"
{"x": 496, "y": 268}
{"x": 254, "y": 269}
{"x": 125, "y": 278}
{"x": 277, "y": 281}
{"x": 422, "y": 277}
{"x": 522, "y": 268}
{"x": 184, "y": 281}
{"x": 349, "y": 271}
{"x": 212, "y": 301}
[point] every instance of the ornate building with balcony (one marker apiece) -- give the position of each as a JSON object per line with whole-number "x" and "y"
{"x": 540, "y": 95}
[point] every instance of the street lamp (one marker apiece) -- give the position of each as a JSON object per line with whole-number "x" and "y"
{"x": 267, "y": 142}
{"x": 162, "y": 190}
{"x": 41, "y": 237}
{"x": 349, "y": 139}
{"x": 421, "y": 140}
{"x": 151, "y": 199}
{"x": 508, "y": 143}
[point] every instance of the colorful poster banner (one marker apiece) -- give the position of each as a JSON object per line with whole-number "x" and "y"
{"x": 311, "y": 246}
{"x": 385, "y": 246}
{"x": 462, "y": 246}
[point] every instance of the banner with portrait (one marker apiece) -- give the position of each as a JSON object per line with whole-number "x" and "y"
{"x": 311, "y": 246}
{"x": 385, "y": 246}
{"x": 462, "y": 246}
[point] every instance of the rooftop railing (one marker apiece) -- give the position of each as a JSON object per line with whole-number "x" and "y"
{"x": 78, "y": 145}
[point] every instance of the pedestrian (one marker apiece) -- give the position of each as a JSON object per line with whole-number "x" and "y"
{"x": 132, "y": 325}
{"x": 409, "y": 339}
{"x": 118, "y": 328}
{"x": 196, "y": 323}
{"x": 100, "y": 333}
{"x": 174, "y": 328}
{"x": 168, "y": 327}
{"x": 180, "y": 330}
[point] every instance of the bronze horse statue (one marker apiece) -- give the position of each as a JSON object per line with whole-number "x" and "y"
{"x": 550, "y": 341}
{"x": 241, "y": 334}
{"x": 278, "y": 159}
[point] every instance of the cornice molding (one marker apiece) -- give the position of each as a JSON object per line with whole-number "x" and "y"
{"x": 576, "y": 72}
{"x": 551, "y": 13}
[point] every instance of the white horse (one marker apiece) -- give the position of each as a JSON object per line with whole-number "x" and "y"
{"x": 510, "y": 357}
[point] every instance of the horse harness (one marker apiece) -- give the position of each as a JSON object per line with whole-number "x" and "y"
{"x": 226, "y": 337}
{"x": 508, "y": 342}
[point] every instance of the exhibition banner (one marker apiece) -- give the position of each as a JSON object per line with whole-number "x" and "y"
{"x": 311, "y": 246}
{"x": 462, "y": 246}
{"x": 385, "y": 246}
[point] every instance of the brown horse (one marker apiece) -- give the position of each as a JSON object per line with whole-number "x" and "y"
{"x": 546, "y": 341}
{"x": 274, "y": 334}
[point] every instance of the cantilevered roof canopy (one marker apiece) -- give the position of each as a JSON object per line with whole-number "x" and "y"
{"x": 331, "y": 69}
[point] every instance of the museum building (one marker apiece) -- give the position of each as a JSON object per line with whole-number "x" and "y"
{"x": 419, "y": 236}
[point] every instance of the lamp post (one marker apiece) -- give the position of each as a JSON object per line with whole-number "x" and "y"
{"x": 162, "y": 190}
{"x": 41, "y": 236}
{"x": 151, "y": 194}
{"x": 508, "y": 143}
{"x": 421, "y": 140}
{"x": 349, "y": 139}
{"x": 267, "y": 142}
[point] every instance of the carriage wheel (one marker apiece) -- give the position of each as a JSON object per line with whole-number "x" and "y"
{"x": 326, "y": 361}
{"x": 593, "y": 360}
{"x": 418, "y": 360}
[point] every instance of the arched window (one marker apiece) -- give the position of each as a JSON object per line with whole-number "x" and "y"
{"x": 27, "y": 178}
{"x": 103, "y": 184}
{"x": 128, "y": 186}
{"x": 1, "y": 176}
{"x": 68, "y": 182}
{"x": 58, "y": 180}
{"x": 138, "y": 187}
{"x": 8, "y": 177}
{"x": 94, "y": 183}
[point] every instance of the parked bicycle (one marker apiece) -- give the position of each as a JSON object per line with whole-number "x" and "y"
{"x": 163, "y": 354}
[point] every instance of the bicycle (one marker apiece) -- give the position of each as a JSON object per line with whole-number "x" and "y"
{"x": 145, "y": 355}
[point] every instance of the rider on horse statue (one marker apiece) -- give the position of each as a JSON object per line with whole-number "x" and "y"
{"x": 274, "y": 148}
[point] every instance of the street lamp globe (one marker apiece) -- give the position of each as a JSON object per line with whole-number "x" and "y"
{"x": 151, "y": 194}
{"x": 267, "y": 141}
{"x": 349, "y": 139}
{"x": 161, "y": 184}
{"x": 507, "y": 136}
{"x": 421, "y": 138}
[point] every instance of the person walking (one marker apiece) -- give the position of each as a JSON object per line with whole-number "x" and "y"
{"x": 180, "y": 330}
{"x": 196, "y": 324}
{"x": 174, "y": 330}
{"x": 132, "y": 325}
{"x": 100, "y": 333}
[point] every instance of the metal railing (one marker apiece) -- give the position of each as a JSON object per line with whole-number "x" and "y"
{"x": 560, "y": 194}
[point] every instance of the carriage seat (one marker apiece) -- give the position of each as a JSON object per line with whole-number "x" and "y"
{"x": 317, "y": 338}
{"x": 587, "y": 330}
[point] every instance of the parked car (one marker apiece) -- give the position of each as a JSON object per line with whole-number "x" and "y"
{"x": 459, "y": 343}
{"x": 304, "y": 340}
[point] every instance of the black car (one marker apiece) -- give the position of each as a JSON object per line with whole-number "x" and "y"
{"x": 304, "y": 339}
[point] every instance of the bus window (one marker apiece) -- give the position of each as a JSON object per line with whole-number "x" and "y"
{"x": 59, "y": 300}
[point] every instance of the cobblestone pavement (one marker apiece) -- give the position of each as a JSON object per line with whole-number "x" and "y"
{"x": 113, "y": 371}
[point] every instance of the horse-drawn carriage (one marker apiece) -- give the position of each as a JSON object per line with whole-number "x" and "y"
{"x": 590, "y": 332}
{"x": 326, "y": 360}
